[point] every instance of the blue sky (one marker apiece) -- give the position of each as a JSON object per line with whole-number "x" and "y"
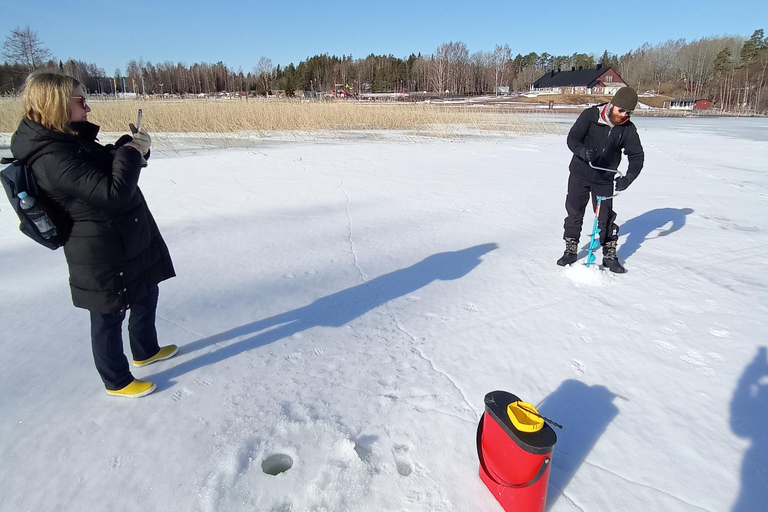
{"x": 239, "y": 32}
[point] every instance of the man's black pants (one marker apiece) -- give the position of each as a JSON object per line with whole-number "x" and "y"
{"x": 579, "y": 192}
{"x": 107, "y": 340}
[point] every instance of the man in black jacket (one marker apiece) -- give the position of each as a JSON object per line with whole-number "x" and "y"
{"x": 597, "y": 137}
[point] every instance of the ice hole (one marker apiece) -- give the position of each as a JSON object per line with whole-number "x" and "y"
{"x": 276, "y": 464}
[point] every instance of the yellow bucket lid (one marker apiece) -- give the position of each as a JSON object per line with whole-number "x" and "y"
{"x": 525, "y": 417}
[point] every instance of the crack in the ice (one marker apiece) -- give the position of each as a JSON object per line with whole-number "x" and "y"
{"x": 418, "y": 351}
{"x": 179, "y": 326}
{"x": 562, "y": 493}
{"x": 349, "y": 225}
{"x": 647, "y": 486}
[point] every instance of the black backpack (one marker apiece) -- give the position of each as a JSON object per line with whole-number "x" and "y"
{"x": 18, "y": 177}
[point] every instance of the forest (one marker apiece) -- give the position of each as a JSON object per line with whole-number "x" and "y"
{"x": 730, "y": 71}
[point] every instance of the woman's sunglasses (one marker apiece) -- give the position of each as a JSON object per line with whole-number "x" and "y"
{"x": 81, "y": 100}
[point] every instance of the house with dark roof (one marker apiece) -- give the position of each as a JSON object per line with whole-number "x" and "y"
{"x": 600, "y": 80}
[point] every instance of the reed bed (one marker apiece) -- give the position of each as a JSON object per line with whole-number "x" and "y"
{"x": 225, "y": 116}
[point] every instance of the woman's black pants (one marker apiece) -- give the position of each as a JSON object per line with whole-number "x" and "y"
{"x": 107, "y": 340}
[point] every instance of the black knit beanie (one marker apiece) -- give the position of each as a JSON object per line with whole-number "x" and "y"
{"x": 625, "y": 98}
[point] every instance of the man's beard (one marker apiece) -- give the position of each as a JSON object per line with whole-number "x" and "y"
{"x": 617, "y": 119}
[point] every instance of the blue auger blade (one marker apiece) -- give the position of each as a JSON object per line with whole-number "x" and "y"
{"x": 590, "y": 259}
{"x": 594, "y": 244}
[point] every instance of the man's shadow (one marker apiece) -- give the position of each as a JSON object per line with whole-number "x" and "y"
{"x": 585, "y": 413}
{"x": 749, "y": 415}
{"x": 639, "y": 229}
{"x": 333, "y": 310}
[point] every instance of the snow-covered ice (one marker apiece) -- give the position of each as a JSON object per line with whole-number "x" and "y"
{"x": 344, "y": 304}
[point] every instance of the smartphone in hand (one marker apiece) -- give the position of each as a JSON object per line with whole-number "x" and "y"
{"x": 138, "y": 122}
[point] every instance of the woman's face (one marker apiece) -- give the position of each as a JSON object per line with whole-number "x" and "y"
{"x": 79, "y": 105}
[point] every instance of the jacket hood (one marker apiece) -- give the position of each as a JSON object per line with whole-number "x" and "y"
{"x": 31, "y": 137}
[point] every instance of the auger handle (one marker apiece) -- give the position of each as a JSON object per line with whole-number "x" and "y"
{"x": 617, "y": 171}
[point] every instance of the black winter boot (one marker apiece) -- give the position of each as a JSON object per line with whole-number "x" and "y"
{"x": 569, "y": 256}
{"x": 610, "y": 260}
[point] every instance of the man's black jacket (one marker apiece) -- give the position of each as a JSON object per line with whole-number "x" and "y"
{"x": 587, "y": 132}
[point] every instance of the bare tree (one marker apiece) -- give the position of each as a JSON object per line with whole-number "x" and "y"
{"x": 263, "y": 71}
{"x": 439, "y": 71}
{"x": 663, "y": 62}
{"x": 458, "y": 59}
{"x": 23, "y": 47}
{"x": 697, "y": 63}
{"x": 500, "y": 59}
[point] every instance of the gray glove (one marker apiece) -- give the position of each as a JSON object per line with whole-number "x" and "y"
{"x": 141, "y": 141}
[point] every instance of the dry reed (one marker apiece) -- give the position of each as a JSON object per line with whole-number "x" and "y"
{"x": 223, "y": 116}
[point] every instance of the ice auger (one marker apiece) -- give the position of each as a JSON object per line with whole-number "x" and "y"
{"x": 594, "y": 239}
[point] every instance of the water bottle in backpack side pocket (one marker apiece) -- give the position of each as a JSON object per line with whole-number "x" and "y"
{"x": 37, "y": 215}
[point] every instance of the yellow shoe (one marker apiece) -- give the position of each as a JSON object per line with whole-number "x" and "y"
{"x": 162, "y": 354}
{"x": 135, "y": 389}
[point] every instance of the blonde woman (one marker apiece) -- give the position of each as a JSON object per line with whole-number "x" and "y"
{"x": 114, "y": 250}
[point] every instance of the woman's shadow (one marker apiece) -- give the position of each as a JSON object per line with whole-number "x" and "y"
{"x": 332, "y": 310}
{"x": 749, "y": 415}
{"x": 585, "y": 413}
{"x": 639, "y": 228}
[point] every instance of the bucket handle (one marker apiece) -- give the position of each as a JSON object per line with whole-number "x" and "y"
{"x": 496, "y": 478}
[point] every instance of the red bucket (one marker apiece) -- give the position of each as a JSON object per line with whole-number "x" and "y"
{"x": 514, "y": 464}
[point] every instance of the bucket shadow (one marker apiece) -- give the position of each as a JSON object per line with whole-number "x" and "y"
{"x": 749, "y": 414}
{"x": 333, "y": 310}
{"x": 639, "y": 229}
{"x": 585, "y": 413}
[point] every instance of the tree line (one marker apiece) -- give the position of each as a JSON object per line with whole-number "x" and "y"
{"x": 730, "y": 71}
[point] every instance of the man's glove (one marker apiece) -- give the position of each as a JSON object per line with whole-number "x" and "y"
{"x": 590, "y": 154}
{"x": 141, "y": 140}
{"x": 622, "y": 182}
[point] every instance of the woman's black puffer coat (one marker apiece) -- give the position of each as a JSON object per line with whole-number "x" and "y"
{"x": 114, "y": 250}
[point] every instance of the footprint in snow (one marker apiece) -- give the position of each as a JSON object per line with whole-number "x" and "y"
{"x": 694, "y": 359}
{"x": 402, "y": 460}
{"x": 577, "y": 365}
{"x": 119, "y": 461}
{"x": 180, "y": 395}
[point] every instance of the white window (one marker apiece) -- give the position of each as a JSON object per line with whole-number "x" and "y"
{"x": 609, "y": 79}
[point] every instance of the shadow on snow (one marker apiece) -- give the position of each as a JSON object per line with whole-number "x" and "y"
{"x": 639, "y": 229}
{"x": 749, "y": 413}
{"x": 333, "y": 310}
{"x": 585, "y": 413}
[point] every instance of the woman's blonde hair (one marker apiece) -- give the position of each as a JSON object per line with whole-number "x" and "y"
{"x": 46, "y": 100}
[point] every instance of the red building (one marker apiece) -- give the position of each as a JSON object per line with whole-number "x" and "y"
{"x": 599, "y": 80}
{"x": 690, "y": 104}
